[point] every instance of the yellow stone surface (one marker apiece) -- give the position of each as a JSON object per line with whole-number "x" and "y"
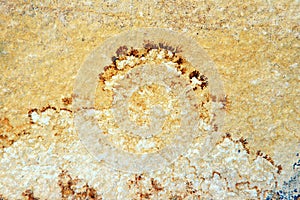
{"x": 254, "y": 44}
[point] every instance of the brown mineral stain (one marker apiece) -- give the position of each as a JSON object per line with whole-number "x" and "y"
{"x": 2, "y": 197}
{"x": 67, "y": 100}
{"x": 67, "y": 185}
{"x": 155, "y": 185}
{"x": 259, "y": 153}
{"x": 28, "y": 194}
{"x": 10, "y": 134}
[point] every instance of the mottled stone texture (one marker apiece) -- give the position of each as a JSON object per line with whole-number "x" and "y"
{"x": 255, "y": 46}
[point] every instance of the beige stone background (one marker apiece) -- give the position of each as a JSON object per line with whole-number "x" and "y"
{"x": 254, "y": 44}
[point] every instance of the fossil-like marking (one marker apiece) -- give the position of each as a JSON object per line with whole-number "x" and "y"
{"x": 144, "y": 75}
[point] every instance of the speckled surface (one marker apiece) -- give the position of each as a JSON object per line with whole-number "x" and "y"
{"x": 255, "y": 48}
